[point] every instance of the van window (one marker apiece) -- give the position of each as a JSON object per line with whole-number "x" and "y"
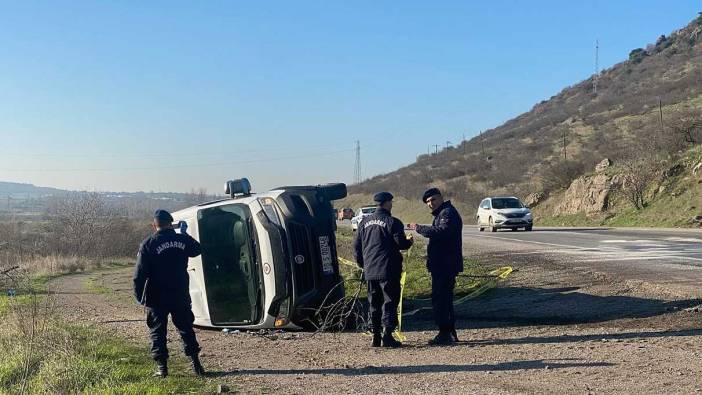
{"x": 229, "y": 264}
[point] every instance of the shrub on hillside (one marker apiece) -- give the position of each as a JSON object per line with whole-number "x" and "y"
{"x": 561, "y": 174}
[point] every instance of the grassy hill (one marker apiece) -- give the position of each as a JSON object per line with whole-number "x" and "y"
{"x": 527, "y": 154}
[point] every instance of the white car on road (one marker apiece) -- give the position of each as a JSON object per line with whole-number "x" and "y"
{"x": 503, "y": 212}
{"x": 361, "y": 212}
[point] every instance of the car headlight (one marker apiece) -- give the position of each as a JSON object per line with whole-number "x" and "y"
{"x": 528, "y": 214}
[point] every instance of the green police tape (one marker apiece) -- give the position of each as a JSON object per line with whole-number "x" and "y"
{"x": 477, "y": 288}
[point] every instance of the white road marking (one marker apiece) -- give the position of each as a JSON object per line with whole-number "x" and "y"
{"x": 534, "y": 242}
{"x": 609, "y": 253}
{"x": 684, "y": 239}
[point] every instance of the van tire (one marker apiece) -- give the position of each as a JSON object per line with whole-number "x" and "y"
{"x": 493, "y": 228}
{"x": 334, "y": 191}
{"x": 528, "y": 228}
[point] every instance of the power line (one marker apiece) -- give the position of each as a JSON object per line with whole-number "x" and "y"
{"x": 597, "y": 67}
{"x": 357, "y": 176}
{"x": 660, "y": 113}
{"x": 181, "y": 166}
{"x": 168, "y": 154}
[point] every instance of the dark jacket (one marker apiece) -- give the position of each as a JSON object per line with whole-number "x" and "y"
{"x": 445, "y": 249}
{"x": 161, "y": 272}
{"x": 379, "y": 239}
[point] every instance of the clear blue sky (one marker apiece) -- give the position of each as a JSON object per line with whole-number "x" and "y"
{"x": 135, "y": 95}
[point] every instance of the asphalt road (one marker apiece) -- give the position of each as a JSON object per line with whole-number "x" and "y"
{"x": 668, "y": 258}
{"x": 667, "y": 246}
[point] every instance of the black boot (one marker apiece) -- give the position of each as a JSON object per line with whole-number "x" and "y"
{"x": 443, "y": 338}
{"x": 197, "y": 366}
{"x": 377, "y": 337}
{"x": 389, "y": 340}
{"x": 161, "y": 368}
{"x": 454, "y": 335}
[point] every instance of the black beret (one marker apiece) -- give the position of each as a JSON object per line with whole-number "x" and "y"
{"x": 163, "y": 216}
{"x": 429, "y": 193}
{"x": 382, "y": 197}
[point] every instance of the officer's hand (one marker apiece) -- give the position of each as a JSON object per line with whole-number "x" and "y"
{"x": 183, "y": 227}
{"x": 412, "y": 226}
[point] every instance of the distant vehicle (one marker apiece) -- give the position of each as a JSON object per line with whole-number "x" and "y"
{"x": 268, "y": 260}
{"x": 503, "y": 212}
{"x": 344, "y": 213}
{"x": 362, "y": 212}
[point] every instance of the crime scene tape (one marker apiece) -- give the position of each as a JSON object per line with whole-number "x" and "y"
{"x": 474, "y": 290}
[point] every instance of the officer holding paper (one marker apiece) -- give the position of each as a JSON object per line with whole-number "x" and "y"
{"x": 444, "y": 261}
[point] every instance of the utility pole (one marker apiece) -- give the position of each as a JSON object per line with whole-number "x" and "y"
{"x": 597, "y": 67}
{"x": 482, "y": 143}
{"x": 436, "y": 148}
{"x": 463, "y": 142}
{"x": 565, "y": 150}
{"x": 357, "y": 177}
{"x": 660, "y": 114}
{"x": 448, "y": 143}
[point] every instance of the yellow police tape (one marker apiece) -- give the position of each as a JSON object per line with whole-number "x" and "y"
{"x": 478, "y": 289}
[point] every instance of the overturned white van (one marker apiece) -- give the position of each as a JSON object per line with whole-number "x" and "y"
{"x": 268, "y": 260}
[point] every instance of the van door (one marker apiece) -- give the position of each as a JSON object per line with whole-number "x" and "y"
{"x": 229, "y": 265}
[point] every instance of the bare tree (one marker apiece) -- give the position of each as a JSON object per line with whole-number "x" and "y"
{"x": 78, "y": 223}
{"x": 638, "y": 174}
{"x": 688, "y": 126}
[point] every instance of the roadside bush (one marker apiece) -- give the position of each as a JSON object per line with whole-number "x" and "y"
{"x": 85, "y": 225}
{"x": 561, "y": 174}
{"x": 638, "y": 175}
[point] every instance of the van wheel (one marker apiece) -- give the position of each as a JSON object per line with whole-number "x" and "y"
{"x": 528, "y": 228}
{"x": 334, "y": 191}
{"x": 514, "y": 229}
{"x": 493, "y": 228}
{"x": 481, "y": 229}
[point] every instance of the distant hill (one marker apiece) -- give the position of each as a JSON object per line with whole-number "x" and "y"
{"x": 27, "y": 190}
{"x": 32, "y": 200}
{"x": 527, "y": 154}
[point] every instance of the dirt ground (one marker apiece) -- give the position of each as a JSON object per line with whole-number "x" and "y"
{"x": 549, "y": 328}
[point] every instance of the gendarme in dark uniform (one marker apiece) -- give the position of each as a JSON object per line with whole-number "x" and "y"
{"x": 444, "y": 261}
{"x": 161, "y": 285}
{"x": 377, "y": 245}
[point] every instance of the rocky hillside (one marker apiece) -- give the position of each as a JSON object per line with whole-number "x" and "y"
{"x": 673, "y": 198}
{"x": 541, "y": 152}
